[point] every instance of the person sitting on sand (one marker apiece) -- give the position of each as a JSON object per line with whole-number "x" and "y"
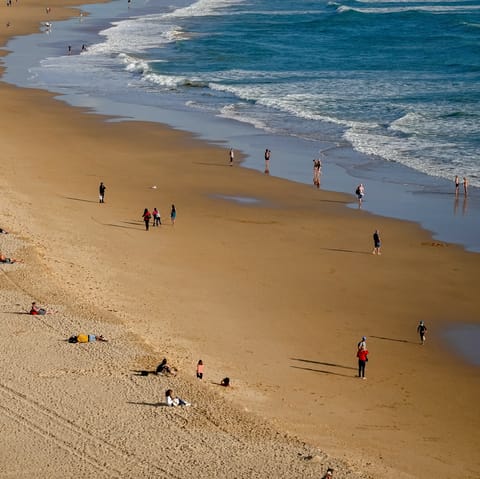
{"x": 328, "y": 474}
{"x": 36, "y": 310}
{"x": 4, "y": 259}
{"x": 225, "y": 382}
{"x": 174, "y": 401}
{"x": 163, "y": 368}
{"x": 86, "y": 338}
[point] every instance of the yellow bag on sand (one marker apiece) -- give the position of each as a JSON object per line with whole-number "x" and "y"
{"x": 82, "y": 338}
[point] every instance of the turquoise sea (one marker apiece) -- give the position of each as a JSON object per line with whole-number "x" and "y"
{"x": 386, "y": 92}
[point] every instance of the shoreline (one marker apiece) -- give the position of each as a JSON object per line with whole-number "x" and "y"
{"x": 393, "y": 190}
{"x": 251, "y": 321}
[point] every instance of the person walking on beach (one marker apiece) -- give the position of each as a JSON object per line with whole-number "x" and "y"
{"x": 200, "y": 367}
{"x": 317, "y": 168}
{"x": 360, "y": 192}
{"x": 173, "y": 214}
{"x": 465, "y": 186}
{"x": 267, "y": 161}
{"x": 101, "y": 192}
{"x": 362, "y": 355}
{"x": 146, "y": 217}
{"x": 156, "y": 217}
{"x": 457, "y": 185}
{"x": 421, "y": 330}
{"x": 376, "y": 243}
{"x": 231, "y": 155}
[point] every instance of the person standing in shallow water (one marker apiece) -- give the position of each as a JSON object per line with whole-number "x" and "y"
{"x": 376, "y": 242}
{"x": 457, "y": 185}
{"x": 146, "y": 217}
{"x": 173, "y": 214}
{"x": 231, "y": 155}
{"x": 465, "y": 186}
{"x": 267, "y": 161}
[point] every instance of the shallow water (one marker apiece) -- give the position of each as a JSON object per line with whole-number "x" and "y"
{"x": 239, "y": 199}
{"x": 465, "y": 340}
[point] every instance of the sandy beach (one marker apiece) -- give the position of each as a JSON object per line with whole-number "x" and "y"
{"x": 273, "y": 292}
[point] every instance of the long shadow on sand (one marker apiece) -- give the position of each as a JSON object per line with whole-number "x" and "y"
{"x": 395, "y": 339}
{"x": 143, "y": 372}
{"x": 210, "y": 164}
{"x": 125, "y": 227}
{"x": 323, "y": 363}
{"x": 322, "y": 371}
{"x": 152, "y": 404}
{"x": 80, "y": 199}
{"x": 338, "y": 250}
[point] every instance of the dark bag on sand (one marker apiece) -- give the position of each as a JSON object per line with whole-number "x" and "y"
{"x": 73, "y": 339}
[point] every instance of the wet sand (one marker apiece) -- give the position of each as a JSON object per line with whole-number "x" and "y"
{"x": 274, "y": 294}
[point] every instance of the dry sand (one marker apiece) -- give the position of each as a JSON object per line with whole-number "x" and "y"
{"x": 274, "y": 295}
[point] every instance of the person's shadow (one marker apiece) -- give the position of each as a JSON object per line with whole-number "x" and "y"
{"x": 143, "y": 372}
{"x": 152, "y": 404}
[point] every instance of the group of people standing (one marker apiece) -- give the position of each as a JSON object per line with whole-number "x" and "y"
{"x": 147, "y": 216}
{"x": 155, "y": 216}
{"x": 457, "y": 185}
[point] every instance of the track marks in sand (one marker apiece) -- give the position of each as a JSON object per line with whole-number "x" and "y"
{"x": 104, "y": 458}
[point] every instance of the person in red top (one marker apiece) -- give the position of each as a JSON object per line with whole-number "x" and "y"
{"x": 200, "y": 367}
{"x": 362, "y": 355}
{"x": 146, "y": 217}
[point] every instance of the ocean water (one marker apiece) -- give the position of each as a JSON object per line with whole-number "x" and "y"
{"x": 386, "y": 91}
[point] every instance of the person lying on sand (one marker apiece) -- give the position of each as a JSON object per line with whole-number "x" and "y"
{"x": 174, "y": 401}
{"x": 36, "y": 310}
{"x": 164, "y": 368}
{"x": 3, "y": 232}
{"x": 86, "y": 338}
{"x": 4, "y": 259}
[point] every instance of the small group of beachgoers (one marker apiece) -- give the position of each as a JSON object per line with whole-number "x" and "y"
{"x": 156, "y": 218}
{"x": 457, "y": 185}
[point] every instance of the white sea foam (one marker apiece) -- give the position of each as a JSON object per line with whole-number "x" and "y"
{"x": 437, "y": 9}
{"x": 137, "y": 35}
{"x": 203, "y": 8}
{"x": 233, "y": 112}
{"x": 134, "y": 65}
{"x": 418, "y": 153}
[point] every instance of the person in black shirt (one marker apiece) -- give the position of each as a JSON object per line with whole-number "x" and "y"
{"x": 101, "y": 192}
{"x": 376, "y": 242}
{"x": 421, "y": 330}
